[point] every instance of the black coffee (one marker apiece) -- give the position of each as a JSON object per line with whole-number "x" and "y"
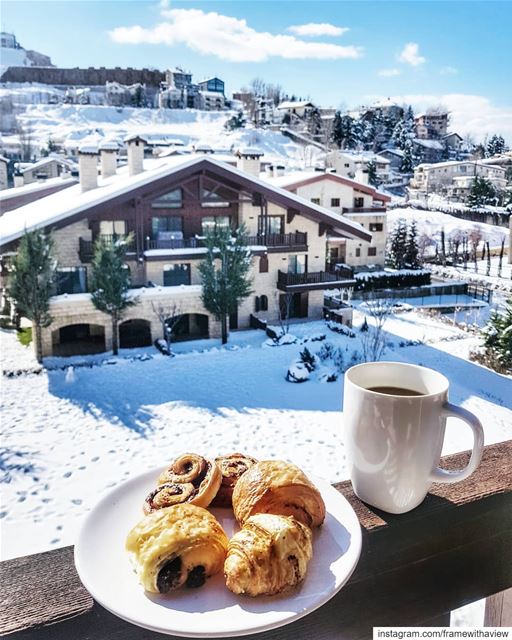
{"x": 395, "y": 391}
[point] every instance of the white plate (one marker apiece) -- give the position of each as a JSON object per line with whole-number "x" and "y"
{"x": 212, "y": 610}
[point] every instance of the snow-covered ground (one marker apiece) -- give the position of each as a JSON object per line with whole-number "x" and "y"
{"x": 71, "y": 434}
{"x": 432, "y": 223}
{"x": 73, "y": 125}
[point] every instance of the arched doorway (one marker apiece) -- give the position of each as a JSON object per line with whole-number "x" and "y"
{"x": 191, "y": 326}
{"x": 134, "y": 333}
{"x": 78, "y": 339}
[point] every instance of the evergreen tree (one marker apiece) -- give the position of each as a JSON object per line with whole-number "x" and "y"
{"x": 411, "y": 250}
{"x": 407, "y": 164}
{"x": 397, "y": 245}
{"x": 225, "y": 273}
{"x": 482, "y": 192}
{"x": 496, "y": 145}
{"x": 337, "y": 129}
{"x": 314, "y": 122}
{"x": 347, "y": 132}
{"x": 359, "y": 134}
{"x": 110, "y": 282}
{"x": 399, "y": 135}
{"x": 31, "y": 282}
{"x": 372, "y": 173}
{"x": 497, "y": 335}
{"x": 235, "y": 122}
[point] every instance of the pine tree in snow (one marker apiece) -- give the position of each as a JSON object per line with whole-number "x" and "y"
{"x": 497, "y": 336}
{"x": 407, "y": 164}
{"x": 412, "y": 260}
{"x": 397, "y": 245}
{"x": 495, "y": 146}
{"x": 372, "y": 173}
{"x": 482, "y": 192}
{"x": 31, "y": 282}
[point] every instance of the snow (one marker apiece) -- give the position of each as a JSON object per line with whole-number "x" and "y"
{"x": 81, "y": 430}
{"x": 432, "y": 223}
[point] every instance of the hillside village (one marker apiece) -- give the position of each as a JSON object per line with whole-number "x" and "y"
{"x": 190, "y": 263}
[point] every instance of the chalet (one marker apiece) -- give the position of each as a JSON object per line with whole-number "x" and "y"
{"x": 354, "y": 164}
{"x": 350, "y": 200}
{"x": 167, "y": 205}
{"x": 46, "y": 168}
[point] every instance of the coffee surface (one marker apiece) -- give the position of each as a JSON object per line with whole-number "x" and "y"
{"x": 395, "y": 391}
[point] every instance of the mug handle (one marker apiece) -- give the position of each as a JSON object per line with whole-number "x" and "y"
{"x": 446, "y": 476}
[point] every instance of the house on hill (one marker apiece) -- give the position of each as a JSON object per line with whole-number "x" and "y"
{"x": 168, "y": 204}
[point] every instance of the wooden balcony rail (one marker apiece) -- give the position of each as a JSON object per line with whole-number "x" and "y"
{"x": 86, "y": 247}
{"x": 414, "y": 569}
{"x": 291, "y": 241}
{"x": 376, "y": 210}
{"x": 312, "y": 280}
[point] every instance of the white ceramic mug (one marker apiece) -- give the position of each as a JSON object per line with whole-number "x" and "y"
{"x": 394, "y": 442}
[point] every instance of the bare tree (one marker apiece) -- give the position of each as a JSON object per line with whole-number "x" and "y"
{"x": 374, "y": 340}
{"x": 502, "y": 251}
{"x": 25, "y": 139}
{"x": 285, "y": 301}
{"x": 474, "y": 238}
{"x": 169, "y": 316}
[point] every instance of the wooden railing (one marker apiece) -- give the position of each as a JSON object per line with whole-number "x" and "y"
{"x": 414, "y": 569}
{"x": 289, "y": 241}
{"x": 313, "y": 279}
{"x": 376, "y": 210}
{"x": 86, "y": 247}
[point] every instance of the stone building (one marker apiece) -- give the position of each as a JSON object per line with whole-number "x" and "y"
{"x": 167, "y": 205}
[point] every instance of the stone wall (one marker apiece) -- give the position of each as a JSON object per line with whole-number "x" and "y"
{"x": 83, "y": 77}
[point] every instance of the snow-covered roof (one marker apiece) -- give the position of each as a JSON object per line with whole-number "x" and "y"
{"x": 363, "y": 156}
{"x": 294, "y": 105}
{"x": 45, "y": 161}
{"x": 14, "y": 192}
{"x": 88, "y": 149}
{"x": 69, "y": 202}
{"x": 109, "y": 145}
{"x": 429, "y": 144}
{"x": 250, "y": 151}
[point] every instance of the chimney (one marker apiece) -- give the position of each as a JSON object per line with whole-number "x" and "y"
{"x": 135, "y": 144}
{"x": 108, "y": 155}
{"x": 248, "y": 160}
{"x": 88, "y": 167}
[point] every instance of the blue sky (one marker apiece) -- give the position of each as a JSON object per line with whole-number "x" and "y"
{"x": 457, "y": 53}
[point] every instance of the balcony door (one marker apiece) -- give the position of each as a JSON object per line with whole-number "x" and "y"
{"x": 298, "y": 263}
{"x": 176, "y": 274}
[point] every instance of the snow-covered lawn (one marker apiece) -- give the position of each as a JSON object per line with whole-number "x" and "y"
{"x": 69, "y": 435}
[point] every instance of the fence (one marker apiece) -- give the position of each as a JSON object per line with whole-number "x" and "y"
{"x": 455, "y": 289}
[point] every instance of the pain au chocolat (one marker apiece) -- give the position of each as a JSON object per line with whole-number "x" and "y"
{"x": 176, "y": 546}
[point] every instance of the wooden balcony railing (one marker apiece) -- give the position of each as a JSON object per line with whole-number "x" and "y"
{"x": 273, "y": 241}
{"x": 86, "y": 247}
{"x": 376, "y": 210}
{"x": 312, "y": 280}
{"x": 414, "y": 569}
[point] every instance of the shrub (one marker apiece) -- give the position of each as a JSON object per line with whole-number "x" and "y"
{"x": 338, "y": 360}
{"x": 297, "y": 372}
{"x": 326, "y": 351}
{"x": 308, "y": 359}
{"x": 25, "y": 336}
{"x": 341, "y": 328}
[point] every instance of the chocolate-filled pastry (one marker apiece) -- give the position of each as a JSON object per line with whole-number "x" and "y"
{"x": 268, "y": 555}
{"x": 177, "y": 546}
{"x": 274, "y": 486}
{"x": 232, "y": 466}
{"x": 190, "y": 478}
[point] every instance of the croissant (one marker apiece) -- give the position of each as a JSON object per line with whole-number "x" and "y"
{"x": 274, "y": 486}
{"x": 232, "y": 466}
{"x": 268, "y": 555}
{"x": 190, "y": 478}
{"x": 177, "y": 546}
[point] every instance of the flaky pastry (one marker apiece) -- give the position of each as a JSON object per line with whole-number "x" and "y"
{"x": 232, "y": 467}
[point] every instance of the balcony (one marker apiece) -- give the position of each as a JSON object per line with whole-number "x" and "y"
{"x": 292, "y": 282}
{"x": 86, "y": 247}
{"x": 375, "y": 210}
{"x": 274, "y": 242}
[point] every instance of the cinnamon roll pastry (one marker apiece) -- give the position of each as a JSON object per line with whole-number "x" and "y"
{"x": 268, "y": 555}
{"x": 176, "y": 546}
{"x": 232, "y": 467}
{"x": 190, "y": 478}
{"x": 274, "y": 486}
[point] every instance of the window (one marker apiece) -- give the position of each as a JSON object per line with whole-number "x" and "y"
{"x": 166, "y": 224}
{"x": 264, "y": 264}
{"x": 347, "y": 165}
{"x": 256, "y": 304}
{"x": 211, "y": 199}
{"x": 335, "y": 202}
{"x": 297, "y": 263}
{"x": 264, "y": 303}
{"x": 275, "y": 224}
{"x": 71, "y": 280}
{"x": 176, "y": 274}
{"x": 113, "y": 227}
{"x": 170, "y": 200}
{"x": 358, "y": 252}
{"x": 372, "y": 251}
{"x": 209, "y": 223}
{"x": 358, "y": 203}
{"x": 376, "y": 226}
{"x": 315, "y": 200}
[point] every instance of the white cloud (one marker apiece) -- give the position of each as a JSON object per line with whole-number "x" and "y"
{"x": 317, "y": 29}
{"x": 448, "y": 71}
{"x": 227, "y": 38}
{"x": 410, "y": 54}
{"x": 472, "y": 114}
{"x": 389, "y": 73}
